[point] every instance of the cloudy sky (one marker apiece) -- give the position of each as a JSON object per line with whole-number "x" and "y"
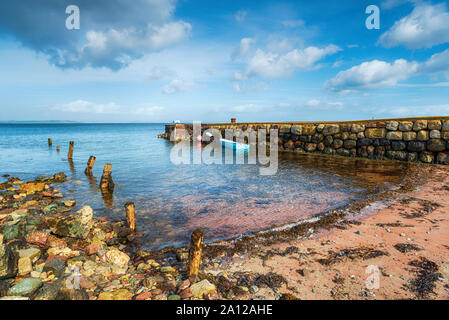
{"x": 161, "y": 60}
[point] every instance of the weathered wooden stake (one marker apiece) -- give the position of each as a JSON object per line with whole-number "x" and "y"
{"x": 90, "y": 166}
{"x": 57, "y": 148}
{"x": 50, "y": 143}
{"x": 130, "y": 217}
{"x": 70, "y": 154}
{"x": 106, "y": 183}
{"x": 196, "y": 248}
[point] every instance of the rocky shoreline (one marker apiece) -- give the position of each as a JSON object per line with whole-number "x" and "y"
{"x": 50, "y": 252}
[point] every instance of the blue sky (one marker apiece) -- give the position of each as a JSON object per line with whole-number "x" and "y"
{"x": 157, "y": 61}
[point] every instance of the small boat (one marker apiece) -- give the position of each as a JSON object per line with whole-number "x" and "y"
{"x": 230, "y": 144}
{"x": 235, "y": 145}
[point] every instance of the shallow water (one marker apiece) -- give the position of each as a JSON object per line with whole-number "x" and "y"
{"x": 171, "y": 200}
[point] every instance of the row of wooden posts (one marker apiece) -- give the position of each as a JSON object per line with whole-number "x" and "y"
{"x": 107, "y": 185}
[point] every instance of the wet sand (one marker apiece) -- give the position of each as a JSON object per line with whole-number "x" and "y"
{"x": 332, "y": 264}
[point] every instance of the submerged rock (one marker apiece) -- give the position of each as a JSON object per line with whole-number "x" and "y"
{"x": 117, "y": 258}
{"x": 121, "y": 294}
{"x": 26, "y": 287}
{"x": 202, "y": 288}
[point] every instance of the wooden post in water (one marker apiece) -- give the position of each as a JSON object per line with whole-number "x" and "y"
{"x": 50, "y": 143}
{"x": 130, "y": 217}
{"x": 70, "y": 154}
{"x": 90, "y": 166}
{"x": 106, "y": 183}
{"x": 196, "y": 248}
{"x": 57, "y": 148}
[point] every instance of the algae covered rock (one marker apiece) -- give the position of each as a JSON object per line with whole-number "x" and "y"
{"x": 26, "y": 287}
{"x": 8, "y": 261}
{"x": 77, "y": 225}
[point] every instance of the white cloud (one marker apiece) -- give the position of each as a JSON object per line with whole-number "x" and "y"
{"x": 243, "y": 49}
{"x": 246, "y": 108}
{"x": 437, "y": 63}
{"x": 82, "y": 106}
{"x": 293, "y": 23}
{"x": 426, "y": 26}
{"x": 376, "y": 74}
{"x": 177, "y": 85}
{"x": 423, "y": 110}
{"x": 240, "y": 15}
{"x": 390, "y": 4}
{"x": 322, "y": 105}
{"x": 112, "y": 33}
{"x": 273, "y": 65}
{"x": 117, "y": 48}
{"x": 243, "y": 88}
{"x": 149, "y": 111}
{"x": 372, "y": 74}
{"x": 158, "y": 73}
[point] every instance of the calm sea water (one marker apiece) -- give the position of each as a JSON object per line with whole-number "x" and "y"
{"x": 226, "y": 200}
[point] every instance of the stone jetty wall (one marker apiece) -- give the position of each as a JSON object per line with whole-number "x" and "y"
{"x": 406, "y": 139}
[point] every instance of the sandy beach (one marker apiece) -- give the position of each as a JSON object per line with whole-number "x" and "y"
{"x": 393, "y": 235}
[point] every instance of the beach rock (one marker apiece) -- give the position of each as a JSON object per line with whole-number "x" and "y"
{"x": 26, "y": 287}
{"x": 202, "y": 288}
{"x": 11, "y": 232}
{"x": 117, "y": 258}
{"x": 8, "y": 262}
{"x": 186, "y": 293}
{"x": 32, "y": 253}
{"x": 121, "y": 294}
{"x": 254, "y": 289}
{"x": 93, "y": 248}
{"x": 59, "y": 177}
{"x": 5, "y": 185}
{"x": 174, "y": 297}
{"x": 50, "y": 291}
{"x": 37, "y": 237}
{"x": 77, "y": 225}
{"x": 55, "y": 265}
{"x": 24, "y": 266}
{"x": 32, "y": 187}
{"x": 69, "y": 293}
{"x": 143, "y": 296}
